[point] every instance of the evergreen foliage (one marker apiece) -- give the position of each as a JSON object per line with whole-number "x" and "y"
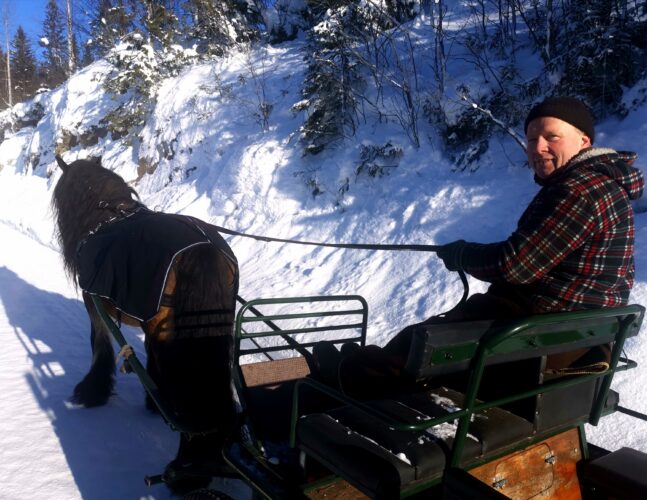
{"x": 87, "y": 57}
{"x": 75, "y": 51}
{"x": 362, "y": 62}
{"x": 112, "y": 21}
{"x": 599, "y": 53}
{"x": 377, "y": 161}
{"x": 55, "y": 45}
{"x": 4, "y": 97}
{"x": 286, "y": 20}
{"x": 138, "y": 71}
{"x": 331, "y": 82}
{"x": 23, "y": 67}
{"x": 214, "y": 26}
{"x": 161, "y": 24}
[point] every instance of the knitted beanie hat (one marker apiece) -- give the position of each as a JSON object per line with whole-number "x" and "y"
{"x": 569, "y": 109}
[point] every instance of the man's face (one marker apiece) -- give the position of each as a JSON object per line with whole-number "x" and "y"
{"x": 552, "y": 143}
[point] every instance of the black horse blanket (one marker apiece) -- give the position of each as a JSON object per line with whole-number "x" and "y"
{"x": 128, "y": 260}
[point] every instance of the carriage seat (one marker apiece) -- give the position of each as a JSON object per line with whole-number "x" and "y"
{"x": 361, "y": 443}
{"x": 380, "y": 460}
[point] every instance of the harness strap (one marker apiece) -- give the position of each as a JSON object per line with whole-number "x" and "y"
{"x": 121, "y": 214}
{"x": 599, "y": 367}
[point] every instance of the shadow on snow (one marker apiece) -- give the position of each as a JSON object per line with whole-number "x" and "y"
{"x": 108, "y": 449}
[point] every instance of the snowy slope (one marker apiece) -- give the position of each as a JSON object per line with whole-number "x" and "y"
{"x": 217, "y": 162}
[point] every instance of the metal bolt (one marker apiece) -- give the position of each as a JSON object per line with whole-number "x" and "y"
{"x": 550, "y": 459}
{"x": 498, "y": 484}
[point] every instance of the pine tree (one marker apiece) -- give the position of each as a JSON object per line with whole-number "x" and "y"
{"x": 87, "y": 57}
{"x": 160, "y": 22}
{"x": 215, "y": 25}
{"x": 597, "y": 56}
{"x": 76, "y": 59}
{"x": 55, "y": 45}
{"x": 113, "y": 20}
{"x": 590, "y": 48}
{"x": 4, "y": 98}
{"x": 331, "y": 80}
{"x": 8, "y": 81}
{"x": 23, "y": 67}
{"x": 72, "y": 46}
{"x": 287, "y": 20}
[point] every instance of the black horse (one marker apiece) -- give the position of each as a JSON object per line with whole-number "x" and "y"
{"x": 175, "y": 277}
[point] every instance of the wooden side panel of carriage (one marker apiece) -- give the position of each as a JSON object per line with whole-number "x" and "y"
{"x": 542, "y": 470}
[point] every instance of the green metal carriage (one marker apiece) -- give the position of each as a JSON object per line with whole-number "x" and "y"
{"x": 300, "y": 438}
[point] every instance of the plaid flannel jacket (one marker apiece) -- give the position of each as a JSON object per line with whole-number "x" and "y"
{"x": 573, "y": 246}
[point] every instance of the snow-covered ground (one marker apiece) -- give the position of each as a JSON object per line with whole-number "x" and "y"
{"x": 227, "y": 170}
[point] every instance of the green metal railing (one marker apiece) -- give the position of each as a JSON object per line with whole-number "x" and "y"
{"x": 249, "y": 314}
{"x": 353, "y": 320}
{"x": 242, "y": 318}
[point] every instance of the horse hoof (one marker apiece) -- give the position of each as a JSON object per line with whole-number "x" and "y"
{"x": 88, "y": 396}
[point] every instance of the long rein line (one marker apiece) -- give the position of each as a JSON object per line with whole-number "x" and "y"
{"x": 353, "y": 246}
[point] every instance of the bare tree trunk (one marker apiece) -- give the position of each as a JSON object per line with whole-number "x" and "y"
{"x": 71, "y": 56}
{"x": 147, "y": 22}
{"x": 549, "y": 29}
{"x": 543, "y": 51}
{"x": 6, "y": 37}
{"x": 440, "y": 62}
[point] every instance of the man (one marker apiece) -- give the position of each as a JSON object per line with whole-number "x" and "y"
{"x": 572, "y": 248}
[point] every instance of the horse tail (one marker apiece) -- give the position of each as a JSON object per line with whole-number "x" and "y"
{"x": 197, "y": 366}
{"x": 97, "y": 385}
{"x": 205, "y": 294}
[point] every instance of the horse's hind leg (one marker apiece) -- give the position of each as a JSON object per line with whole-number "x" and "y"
{"x": 97, "y": 385}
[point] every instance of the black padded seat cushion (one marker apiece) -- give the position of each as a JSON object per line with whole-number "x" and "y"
{"x": 380, "y": 460}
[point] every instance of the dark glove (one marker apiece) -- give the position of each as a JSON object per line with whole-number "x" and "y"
{"x": 452, "y": 254}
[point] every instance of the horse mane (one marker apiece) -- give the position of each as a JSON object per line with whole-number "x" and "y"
{"x": 85, "y": 196}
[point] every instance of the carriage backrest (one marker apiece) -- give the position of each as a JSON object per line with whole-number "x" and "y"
{"x": 532, "y": 338}
{"x": 445, "y": 348}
